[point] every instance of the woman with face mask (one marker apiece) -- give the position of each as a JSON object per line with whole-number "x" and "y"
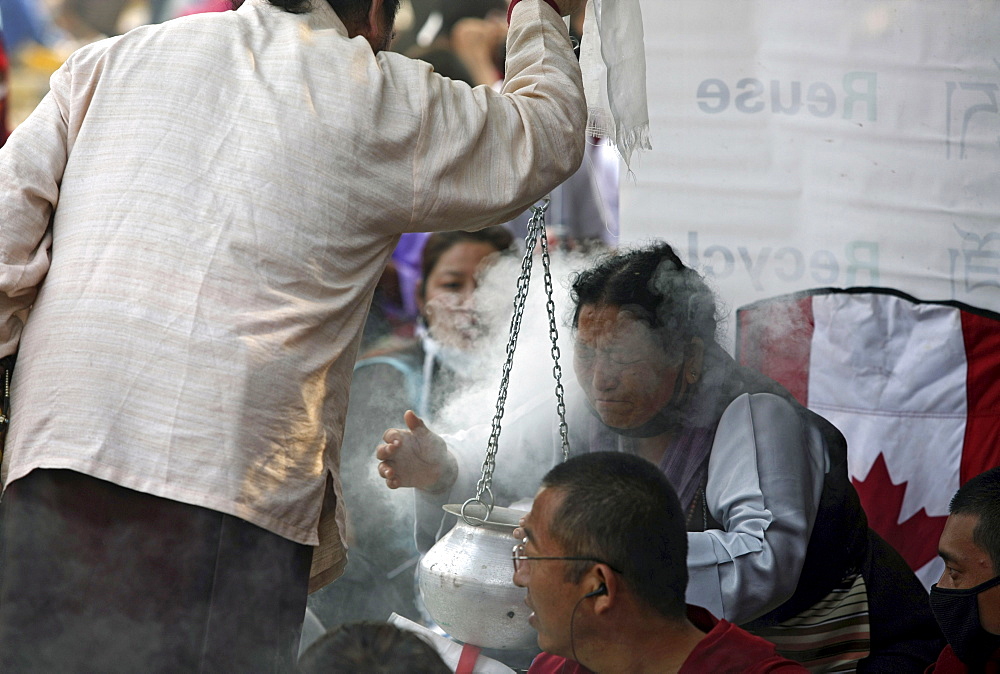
{"x": 420, "y": 374}
{"x": 777, "y": 535}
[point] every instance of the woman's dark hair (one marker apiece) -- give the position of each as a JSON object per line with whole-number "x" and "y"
{"x": 652, "y": 284}
{"x": 351, "y": 12}
{"x": 371, "y": 647}
{"x": 439, "y": 243}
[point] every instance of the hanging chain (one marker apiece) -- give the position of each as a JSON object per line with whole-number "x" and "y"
{"x": 536, "y": 231}
{"x": 554, "y": 336}
{"x": 483, "y": 487}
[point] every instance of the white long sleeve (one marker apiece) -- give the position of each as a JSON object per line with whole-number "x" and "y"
{"x": 765, "y": 480}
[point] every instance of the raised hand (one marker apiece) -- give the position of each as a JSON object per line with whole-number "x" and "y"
{"x": 415, "y": 457}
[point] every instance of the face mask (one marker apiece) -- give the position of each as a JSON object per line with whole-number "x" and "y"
{"x": 957, "y": 612}
{"x": 457, "y": 360}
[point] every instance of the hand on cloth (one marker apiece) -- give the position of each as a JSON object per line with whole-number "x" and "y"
{"x": 613, "y": 61}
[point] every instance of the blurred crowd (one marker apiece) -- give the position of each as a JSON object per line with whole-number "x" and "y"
{"x": 462, "y": 39}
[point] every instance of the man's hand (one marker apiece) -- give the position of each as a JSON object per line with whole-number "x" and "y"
{"x": 564, "y": 7}
{"x": 415, "y": 457}
{"x": 475, "y": 41}
{"x": 518, "y": 533}
{"x": 567, "y": 7}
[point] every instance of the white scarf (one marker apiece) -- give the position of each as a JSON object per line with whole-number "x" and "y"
{"x": 613, "y": 60}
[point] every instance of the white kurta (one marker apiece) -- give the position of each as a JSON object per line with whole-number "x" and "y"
{"x": 204, "y": 208}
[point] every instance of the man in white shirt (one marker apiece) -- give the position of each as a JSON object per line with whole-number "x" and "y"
{"x": 196, "y": 217}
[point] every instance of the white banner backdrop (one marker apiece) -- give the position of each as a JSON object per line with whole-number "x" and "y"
{"x": 833, "y": 143}
{"x": 840, "y": 143}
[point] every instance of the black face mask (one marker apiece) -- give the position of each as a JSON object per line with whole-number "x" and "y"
{"x": 957, "y": 612}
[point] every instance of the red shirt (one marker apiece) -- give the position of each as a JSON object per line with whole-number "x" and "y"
{"x": 726, "y": 649}
{"x": 4, "y": 76}
{"x": 948, "y": 663}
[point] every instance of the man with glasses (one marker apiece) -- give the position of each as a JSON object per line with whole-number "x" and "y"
{"x": 603, "y": 559}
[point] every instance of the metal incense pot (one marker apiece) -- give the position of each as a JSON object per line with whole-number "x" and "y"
{"x": 466, "y": 578}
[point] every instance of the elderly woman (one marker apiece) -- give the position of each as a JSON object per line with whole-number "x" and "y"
{"x": 777, "y": 532}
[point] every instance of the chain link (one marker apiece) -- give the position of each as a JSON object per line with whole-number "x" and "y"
{"x": 554, "y": 336}
{"x": 536, "y": 232}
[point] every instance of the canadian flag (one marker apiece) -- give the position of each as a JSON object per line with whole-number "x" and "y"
{"x": 914, "y": 387}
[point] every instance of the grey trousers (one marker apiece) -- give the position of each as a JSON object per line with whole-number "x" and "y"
{"x": 99, "y": 578}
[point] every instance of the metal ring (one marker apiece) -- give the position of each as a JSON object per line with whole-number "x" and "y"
{"x": 473, "y": 521}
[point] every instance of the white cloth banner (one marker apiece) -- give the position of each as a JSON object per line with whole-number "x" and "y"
{"x": 835, "y": 143}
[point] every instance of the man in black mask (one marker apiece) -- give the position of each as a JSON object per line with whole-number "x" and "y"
{"x": 966, "y": 600}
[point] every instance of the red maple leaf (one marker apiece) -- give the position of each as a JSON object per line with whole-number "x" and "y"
{"x": 916, "y": 539}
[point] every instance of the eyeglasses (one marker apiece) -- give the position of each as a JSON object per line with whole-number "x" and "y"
{"x": 517, "y": 556}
